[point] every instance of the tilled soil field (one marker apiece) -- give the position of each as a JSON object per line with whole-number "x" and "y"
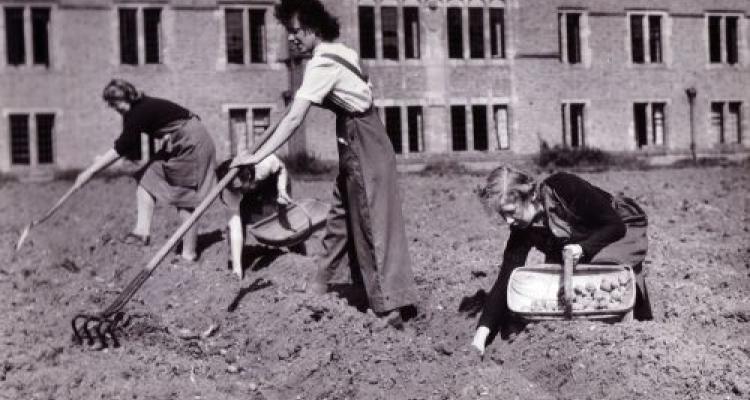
{"x": 196, "y": 332}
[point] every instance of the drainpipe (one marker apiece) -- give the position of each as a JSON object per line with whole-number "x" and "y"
{"x": 691, "y": 93}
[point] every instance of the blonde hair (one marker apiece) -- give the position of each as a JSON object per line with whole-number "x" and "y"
{"x": 506, "y": 184}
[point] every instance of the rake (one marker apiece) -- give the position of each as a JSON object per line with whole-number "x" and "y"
{"x": 27, "y": 228}
{"x": 97, "y": 327}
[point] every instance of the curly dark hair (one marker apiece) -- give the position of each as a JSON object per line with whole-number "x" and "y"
{"x": 311, "y": 15}
{"x": 120, "y": 89}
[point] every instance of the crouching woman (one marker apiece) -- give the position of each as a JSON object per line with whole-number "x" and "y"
{"x": 561, "y": 216}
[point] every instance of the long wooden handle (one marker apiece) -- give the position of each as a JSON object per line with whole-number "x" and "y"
{"x": 57, "y": 205}
{"x": 567, "y": 277}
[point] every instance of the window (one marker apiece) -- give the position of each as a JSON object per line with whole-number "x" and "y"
{"x": 389, "y": 25}
{"x": 497, "y": 33}
{"x": 367, "y": 32}
{"x": 411, "y": 32}
{"x": 245, "y": 35}
{"x": 458, "y": 128}
{"x": 393, "y": 127}
{"x": 389, "y": 40}
{"x": 479, "y": 119}
{"x": 502, "y": 128}
{"x": 723, "y": 39}
{"x": 570, "y": 40}
{"x": 241, "y": 137}
{"x": 18, "y": 45}
{"x": 650, "y": 124}
{"x": 478, "y": 33}
{"x": 726, "y": 122}
{"x": 646, "y": 38}
{"x": 31, "y": 139}
{"x": 405, "y": 134}
{"x": 130, "y": 19}
{"x": 573, "y": 120}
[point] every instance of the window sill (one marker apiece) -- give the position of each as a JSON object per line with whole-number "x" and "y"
{"x": 729, "y": 147}
{"x": 371, "y": 62}
{"x": 144, "y": 67}
{"x": 725, "y": 66}
{"x": 653, "y": 150}
{"x": 648, "y": 66}
{"x": 477, "y": 61}
{"x": 27, "y": 69}
{"x": 251, "y": 67}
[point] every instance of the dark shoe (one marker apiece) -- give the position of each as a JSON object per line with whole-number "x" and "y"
{"x": 392, "y": 318}
{"x": 134, "y": 239}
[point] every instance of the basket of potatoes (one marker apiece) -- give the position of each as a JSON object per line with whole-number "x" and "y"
{"x": 600, "y": 292}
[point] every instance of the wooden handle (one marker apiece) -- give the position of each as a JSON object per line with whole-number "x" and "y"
{"x": 567, "y": 275}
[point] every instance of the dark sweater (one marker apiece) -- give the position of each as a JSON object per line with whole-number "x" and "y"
{"x": 146, "y": 115}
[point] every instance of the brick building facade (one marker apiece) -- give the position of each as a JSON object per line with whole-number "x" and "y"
{"x": 468, "y": 78}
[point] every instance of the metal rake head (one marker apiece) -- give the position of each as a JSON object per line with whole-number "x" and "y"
{"x": 97, "y": 329}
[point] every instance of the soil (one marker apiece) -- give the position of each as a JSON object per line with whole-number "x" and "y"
{"x": 197, "y": 332}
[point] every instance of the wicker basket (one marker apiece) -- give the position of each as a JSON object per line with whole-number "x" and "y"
{"x": 602, "y": 292}
{"x": 293, "y": 226}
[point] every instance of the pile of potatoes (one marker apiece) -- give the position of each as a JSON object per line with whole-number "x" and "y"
{"x": 610, "y": 292}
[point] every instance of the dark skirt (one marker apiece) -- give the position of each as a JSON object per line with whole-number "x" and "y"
{"x": 366, "y": 221}
{"x": 182, "y": 173}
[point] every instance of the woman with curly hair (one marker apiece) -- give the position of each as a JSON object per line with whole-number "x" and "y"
{"x": 180, "y": 174}
{"x": 366, "y": 220}
{"x": 563, "y": 216}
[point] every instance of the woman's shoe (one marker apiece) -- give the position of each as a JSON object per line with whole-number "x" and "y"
{"x": 135, "y": 239}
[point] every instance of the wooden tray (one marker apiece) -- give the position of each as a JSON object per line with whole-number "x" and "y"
{"x": 293, "y": 226}
{"x": 533, "y": 291}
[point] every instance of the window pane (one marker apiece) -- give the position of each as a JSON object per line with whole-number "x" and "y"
{"x": 577, "y": 137}
{"x": 14, "y": 35}
{"x": 501, "y": 126}
{"x": 389, "y": 23}
{"x": 367, "y": 32}
{"x": 657, "y": 123}
{"x": 458, "y": 127}
{"x": 476, "y": 32}
{"x": 151, "y": 29}
{"x": 497, "y": 32}
{"x": 261, "y": 121}
{"x": 45, "y": 145}
{"x": 415, "y": 128}
{"x": 40, "y": 33}
{"x": 717, "y": 121}
{"x": 732, "y": 41}
{"x": 233, "y": 23}
{"x": 636, "y": 39}
{"x": 455, "y": 27}
{"x": 257, "y": 36}
{"x": 654, "y": 31}
{"x": 238, "y": 131}
{"x": 20, "y": 150}
{"x": 128, "y": 37}
{"x": 574, "y": 37}
{"x": 714, "y": 39}
{"x": 393, "y": 127}
{"x": 411, "y": 32}
{"x": 479, "y": 118}
{"x": 734, "y": 122}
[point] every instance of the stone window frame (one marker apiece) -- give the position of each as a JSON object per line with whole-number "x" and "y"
{"x": 666, "y": 36}
{"x": 399, "y": 5}
{"x": 486, "y": 5}
{"x": 52, "y": 37}
{"x": 743, "y": 53}
{"x": 403, "y": 105}
{"x": 741, "y": 135}
{"x": 166, "y": 17}
{"x": 651, "y": 146}
{"x": 32, "y": 113}
{"x": 566, "y": 121}
{"x": 584, "y": 32}
{"x": 489, "y": 103}
{"x": 249, "y": 108}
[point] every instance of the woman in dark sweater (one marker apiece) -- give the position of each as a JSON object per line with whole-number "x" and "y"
{"x": 561, "y": 216}
{"x": 180, "y": 174}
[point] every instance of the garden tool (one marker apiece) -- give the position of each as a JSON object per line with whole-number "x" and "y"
{"x": 567, "y": 287}
{"x": 96, "y": 328}
{"x": 46, "y": 216}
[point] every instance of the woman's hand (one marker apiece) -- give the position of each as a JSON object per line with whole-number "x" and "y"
{"x": 283, "y": 198}
{"x": 244, "y": 158}
{"x": 572, "y": 251}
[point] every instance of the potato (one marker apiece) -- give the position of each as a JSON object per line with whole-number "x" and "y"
{"x": 599, "y": 295}
{"x": 579, "y": 289}
{"x": 578, "y": 306}
{"x": 623, "y": 278}
{"x": 602, "y": 304}
{"x": 590, "y": 287}
{"x": 616, "y": 295}
{"x": 606, "y": 285}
